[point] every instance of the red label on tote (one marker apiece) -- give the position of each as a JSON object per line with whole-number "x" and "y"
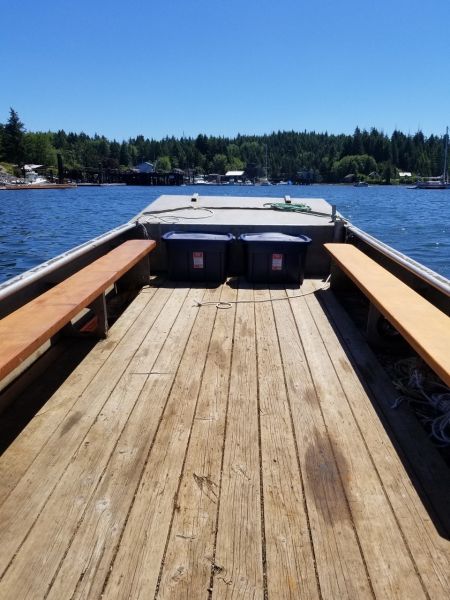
{"x": 197, "y": 259}
{"x": 277, "y": 262}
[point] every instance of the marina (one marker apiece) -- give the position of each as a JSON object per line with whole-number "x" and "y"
{"x": 224, "y": 439}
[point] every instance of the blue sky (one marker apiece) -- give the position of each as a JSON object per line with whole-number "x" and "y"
{"x": 223, "y": 67}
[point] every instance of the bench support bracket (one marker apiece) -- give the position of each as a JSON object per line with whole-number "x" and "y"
{"x": 99, "y": 308}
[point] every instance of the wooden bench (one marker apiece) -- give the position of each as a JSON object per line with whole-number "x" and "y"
{"x": 424, "y": 327}
{"x": 23, "y": 331}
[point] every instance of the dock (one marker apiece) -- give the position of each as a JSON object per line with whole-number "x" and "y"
{"x": 245, "y": 451}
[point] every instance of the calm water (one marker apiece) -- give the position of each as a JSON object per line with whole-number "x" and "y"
{"x": 36, "y": 225}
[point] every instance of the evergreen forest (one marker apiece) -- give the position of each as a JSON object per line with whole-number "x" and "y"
{"x": 290, "y": 155}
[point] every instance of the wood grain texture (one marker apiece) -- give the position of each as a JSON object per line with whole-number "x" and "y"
{"x": 239, "y": 548}
{"x": 216, "y": 454}
{"x": 25, "y": 448}
{"x": 393, "y": 573}
{"x": 86, "y": 565}
{"x": 341, "y": 570}
{"x": 423, "y": 325}
{"x": 137, "y": 564}
{"x": 288, "y": 547}
{"x": 32, "y": 491}
{"x": 430, "y": 551}
{"x": 26, "y": 329}
{"x": 190, "y": 561}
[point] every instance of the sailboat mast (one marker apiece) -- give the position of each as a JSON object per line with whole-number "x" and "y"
{"x": 446, "y": 158}
{"x": 267, "y": 172}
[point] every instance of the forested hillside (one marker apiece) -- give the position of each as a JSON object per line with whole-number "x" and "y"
{"x": 322, "y": 156}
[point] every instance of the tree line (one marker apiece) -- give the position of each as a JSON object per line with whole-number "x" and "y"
{"x": 290, "y": 155}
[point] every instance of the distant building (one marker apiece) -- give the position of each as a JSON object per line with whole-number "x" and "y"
{"x": 404, "y": 174}
{"x": 145, "y": 167}
{"x": 234, "y": 176}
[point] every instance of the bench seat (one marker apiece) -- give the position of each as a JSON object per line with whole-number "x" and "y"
{"x": 425, "y": 327}
{"x": 23, "y": 331}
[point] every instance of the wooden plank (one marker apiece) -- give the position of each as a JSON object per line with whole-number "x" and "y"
{"x": 428, "y": 465}
{"x": 189, "y": 561}
{"x": 391, "y": 569}
{"x": 431, "y": 551}
{"x": 47, "y": 542}
{"x": 239, "y": 548}
{"x": 423, "y": 325}
{"x": 32, "y": 491}
{"x": 125, "y": 256}
{"x": 86, "y": 564}
{"x": 29, "y": 443}
{"x": 137, "y": 564}
{"x": 289, "y": 555}
{"x": 340, "y": 565}
{"x": 26, "y": 329}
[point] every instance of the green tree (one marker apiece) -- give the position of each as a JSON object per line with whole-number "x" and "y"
{"x": 39, "y": 149}
{"x": 252, "y": 152}
{"x": 114, "y": 151}
{"x": 357, "y": 145}
{"x": 13, "y": 139}
{"x": 219, "y": 163}
{"x": 360, "y": 164}
{"x": 387, "y": 172}
{"x": 60, "y": 139}
{"x": 125, "y": 158}
{"x": 235, "y": 164}
{"x": 164, "y": 164}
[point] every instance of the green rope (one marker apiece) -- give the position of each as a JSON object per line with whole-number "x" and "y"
{"x": 289, "y": 207}
{"x": 298, "y": 207}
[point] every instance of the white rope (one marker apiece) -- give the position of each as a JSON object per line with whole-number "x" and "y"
{"x": 163, "y": 217}
{"x": 229, "y": 304}
{"x": 431, "y": 407}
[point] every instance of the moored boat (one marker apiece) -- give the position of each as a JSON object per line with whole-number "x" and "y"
{"x": 433, "y": 183}
{"x": 441, "y": 182}
{"x": 40, "y": 186}
{"x": 34, "y": 181}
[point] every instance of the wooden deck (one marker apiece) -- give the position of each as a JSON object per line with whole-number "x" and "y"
{"x": 204, "y": 453}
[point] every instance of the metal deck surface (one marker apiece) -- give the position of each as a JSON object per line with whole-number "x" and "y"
{"x": 235, "y": 210}
{"x": 237, "y": 215}
{"x": 217, "y": 453}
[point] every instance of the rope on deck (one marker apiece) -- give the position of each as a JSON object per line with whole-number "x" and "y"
{"x": 229, "y": 304}
{"x": 164, "y": 217}
{"x": 425, "y": 394}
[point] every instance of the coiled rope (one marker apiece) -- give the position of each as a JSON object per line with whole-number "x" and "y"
{"x": 297, "y": 207}
{"x": 160, "y": 215}
{"x": 426, "y": 396}
{"x": 164, "y": 215}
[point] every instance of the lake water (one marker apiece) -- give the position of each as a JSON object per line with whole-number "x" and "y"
{"x": 37, "y": 225}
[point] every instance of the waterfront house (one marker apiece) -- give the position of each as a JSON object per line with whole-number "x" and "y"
{"x": 146, "y": 167}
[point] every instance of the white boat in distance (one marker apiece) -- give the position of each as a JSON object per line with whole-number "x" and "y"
{"x": 441, "y": 182}
{"x": 200, "y": 180}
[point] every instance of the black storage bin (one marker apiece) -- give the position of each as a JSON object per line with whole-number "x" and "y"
{"x": 197, "y": 256}
{"x": 274, "y": 257}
